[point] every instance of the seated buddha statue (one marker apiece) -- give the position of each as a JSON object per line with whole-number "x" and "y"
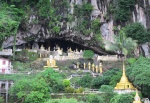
{"x": 51, "y": 62}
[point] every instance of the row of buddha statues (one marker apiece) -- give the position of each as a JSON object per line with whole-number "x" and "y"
{"x": 92, "y": 67}
{"x": 57, "y": 48}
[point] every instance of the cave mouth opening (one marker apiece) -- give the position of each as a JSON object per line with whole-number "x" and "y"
{"x": 62, "y": 43}
{"x": 52, "y": 43}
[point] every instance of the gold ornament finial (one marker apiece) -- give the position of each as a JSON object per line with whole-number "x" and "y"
{"x": 137, "y": 98}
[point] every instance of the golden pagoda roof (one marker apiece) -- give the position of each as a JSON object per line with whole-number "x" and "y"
{"x": 137, "y": 98}
{"x": 124, "y": 82}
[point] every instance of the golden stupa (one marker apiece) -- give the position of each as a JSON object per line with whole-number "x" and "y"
{"x": 124, "y": 84}
{"x": 137, "y": 98}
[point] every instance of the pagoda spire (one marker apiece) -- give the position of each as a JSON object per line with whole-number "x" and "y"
{"x": 137, "y": 98}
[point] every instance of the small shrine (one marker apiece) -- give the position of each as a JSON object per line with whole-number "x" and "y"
{"x": 51, "y": 62}
{"x": 137, "y": 98}
{"x": 124, "y": 86}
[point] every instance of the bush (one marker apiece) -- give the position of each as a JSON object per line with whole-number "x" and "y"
{"x": 69, "y": 90}
{"x": 93, "y": 98}
{"x": 107, "y": 89}
{"x": 131, "y": 60}
{"x": 66, "y": 83}
{"x": 79, "y": 90}
{"x": 88, "y": 54}
{"x": 108, "y": 93}
{"x": 122, "y": 98}
{"x": 85, "y": 81}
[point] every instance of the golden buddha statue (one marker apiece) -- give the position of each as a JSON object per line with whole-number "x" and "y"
{"x": 101, "y": 69}
{"x": 89, "y": 64}
{"x": 51, "y": 63}
{"x": 124, "y": 84}
{"x": 137, "y": 98}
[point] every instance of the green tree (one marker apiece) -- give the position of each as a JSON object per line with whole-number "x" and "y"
{"x": 85, "y": 81}
{"x": 53, "y": 79}
{"x": 122, "y": 98}
{"x": 30, "y": 91}
{"x": 137, "y": 32}
{"x": 122, "y": 44}
{"x": 109, "y": 75}
{"x": 108, "y": 93}
{"x": 139, "y": 73}
{"x": 97, "y": 82}
{"x": 10, "y": 18}
{"x": 94, "y": 98}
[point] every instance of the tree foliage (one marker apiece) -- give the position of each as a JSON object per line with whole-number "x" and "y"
{"x": 93, "y": 98}
{"x": 10, "y": 18}
{"x": 88, "y": 54}
{"x": 38, "y": 89}
{"x": 64, "y": 100}
{"x": 85, "y": 81}
{"x": 137, "y": 32}
{"x": 139, "y": 73}
{"x": 122, "y": 9}
{"x": 108, "y": 93}
{"x": 31, "y": 91}
{"x": 122, "y": 44}
{"x": 122, "y": 98}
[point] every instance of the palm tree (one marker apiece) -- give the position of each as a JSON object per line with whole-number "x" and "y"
{"x": 121, "y": 44}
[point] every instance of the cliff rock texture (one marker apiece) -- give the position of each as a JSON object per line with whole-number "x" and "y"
{"x": 95, "y": 22}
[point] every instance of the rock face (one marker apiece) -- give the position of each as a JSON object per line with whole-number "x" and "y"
{"x": 38, "y": 32}
{"x": 146, "y": 49}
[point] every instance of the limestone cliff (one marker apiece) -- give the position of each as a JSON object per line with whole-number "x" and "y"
{"x": 38, "y": 31}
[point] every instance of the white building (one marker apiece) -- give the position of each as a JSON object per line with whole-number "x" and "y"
{"x": 5, "y": 66}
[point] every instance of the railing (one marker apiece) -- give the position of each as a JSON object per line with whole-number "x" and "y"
{"x": 6, "y": 52}
{"x": 108, "y": 58}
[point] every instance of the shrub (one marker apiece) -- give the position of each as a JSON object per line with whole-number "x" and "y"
{"x": 69, "y": 90}
{"x": 131, "y": 60}
{"x": 79, "y": 90}
{"x": 66, "y": 83}
{"x": 93, "y": 98}
{"x": 122, "y": 98}
{"x": 88, "y": 54}
{"x": 85, "y": 81}
{"x": 107, "y": 89}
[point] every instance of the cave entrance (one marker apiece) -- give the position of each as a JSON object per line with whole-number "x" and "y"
{"x": 53, "y": 43}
